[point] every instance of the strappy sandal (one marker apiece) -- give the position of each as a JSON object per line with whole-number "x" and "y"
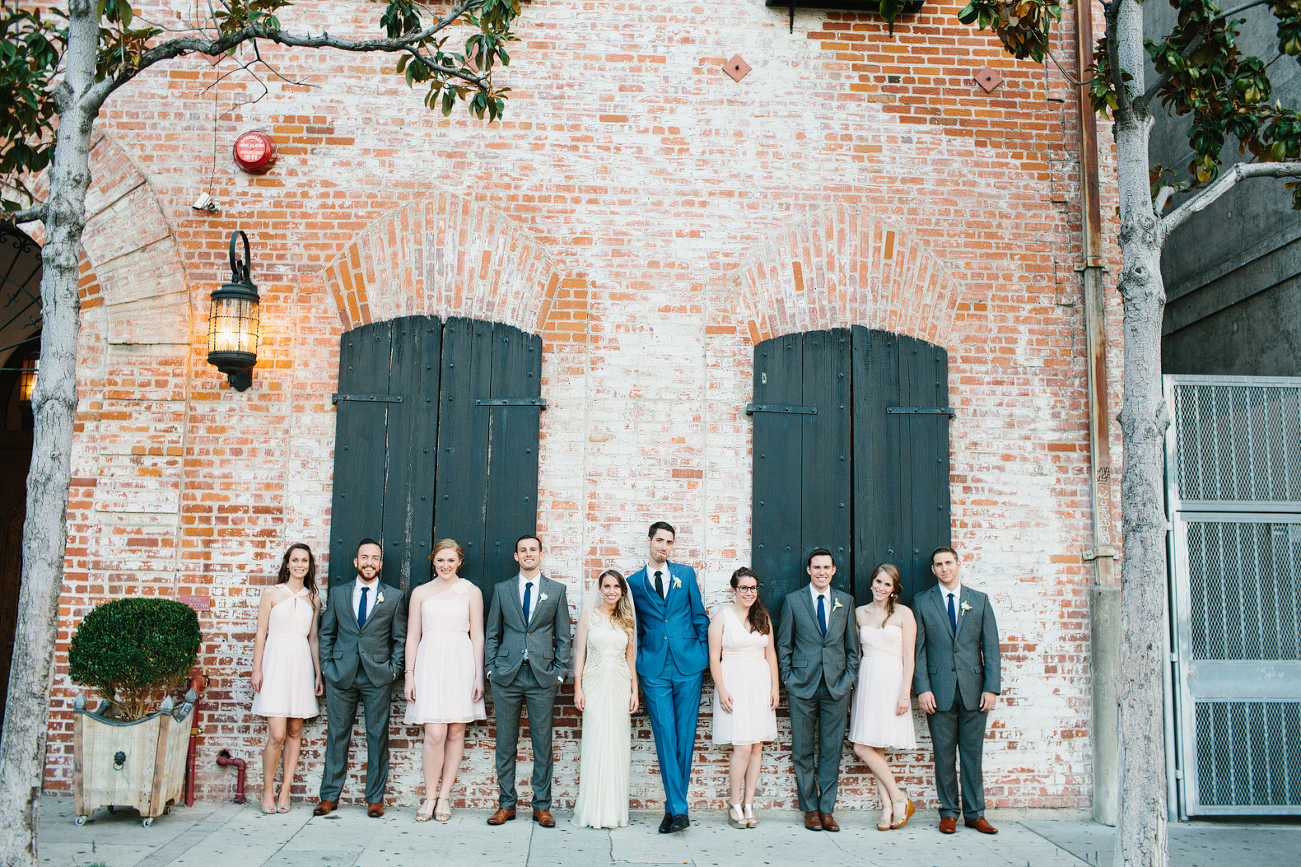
{"x": 748, "y": 813}
{"x": 442, "y": 816}
{"x": 887, "y": 816}
{"x": 421, "y": 815}
{"x": 739, "y": 820}
{"x": 905, "y": 806}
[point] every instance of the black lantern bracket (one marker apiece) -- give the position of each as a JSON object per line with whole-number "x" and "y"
{"x": 233, "y": 320}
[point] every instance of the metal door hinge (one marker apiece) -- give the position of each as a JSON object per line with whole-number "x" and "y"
{"x": 540, "y": 402}
{"x": 367, "y": 398}
{"x": 921, "y": 410}
{"x": 751, "y": 408}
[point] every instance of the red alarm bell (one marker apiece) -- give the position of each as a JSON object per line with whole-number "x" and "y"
{"x": 255, "y": 152}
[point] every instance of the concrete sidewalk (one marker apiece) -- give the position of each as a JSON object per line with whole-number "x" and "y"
{"x": 227, "y": 835}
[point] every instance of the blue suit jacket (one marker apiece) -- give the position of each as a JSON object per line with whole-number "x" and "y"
{"x": 673, "y": 631}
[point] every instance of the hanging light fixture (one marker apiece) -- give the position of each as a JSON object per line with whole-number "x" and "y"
{"x": 233, "y": 322}
{"x": 27, "y": 379}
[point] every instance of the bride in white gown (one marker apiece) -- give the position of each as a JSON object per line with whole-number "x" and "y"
{"x": 605, "y": 691}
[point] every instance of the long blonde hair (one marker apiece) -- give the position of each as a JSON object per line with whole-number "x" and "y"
{"x": 623, "y": 615}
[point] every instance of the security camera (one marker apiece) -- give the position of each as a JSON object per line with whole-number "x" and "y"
{"x": 205, "y": 203}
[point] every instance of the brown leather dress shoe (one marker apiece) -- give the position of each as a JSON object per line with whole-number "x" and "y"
{"x": 948, "y": 824}
{"x": 981, "y": 825}
{"x": 374, "y": 810}
{"x": 544, "y": 818}
{"x": 324, "y": 808}
{"x": 813, "y": 821}
{"x": 501, "y": 817}
{"x": 828, "y": 822}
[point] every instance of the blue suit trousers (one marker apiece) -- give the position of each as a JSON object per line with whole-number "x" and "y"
{"x": 673, "y": 705}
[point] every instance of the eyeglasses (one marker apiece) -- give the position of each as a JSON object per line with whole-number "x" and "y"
{"x": 754, "y": 589}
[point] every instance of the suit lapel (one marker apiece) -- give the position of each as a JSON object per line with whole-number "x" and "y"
{"x": 517, "y": 602}
{"x": 660, "y": 601}
{"x": 962, "y": 600}
{"x": 937, "y": 594}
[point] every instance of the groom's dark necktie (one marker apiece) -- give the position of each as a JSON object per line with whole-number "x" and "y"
{"x": 361, "y": 609}
{"x": 659, "y": 583}
{"x": 953, "y": 617}
{"x": 822, "y": 613}
{"x": 528, "y": 600}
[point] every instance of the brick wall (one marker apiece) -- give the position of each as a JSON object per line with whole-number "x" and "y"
{"x": 652, "y": 219}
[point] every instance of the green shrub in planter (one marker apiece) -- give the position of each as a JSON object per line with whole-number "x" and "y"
{"x": 131, "y": 649}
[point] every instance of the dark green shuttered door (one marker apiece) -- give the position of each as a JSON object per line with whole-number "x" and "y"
{"x": 422, "y": 453}
{"x": 851, "y": 453}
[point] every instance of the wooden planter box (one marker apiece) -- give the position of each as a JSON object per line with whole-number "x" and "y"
{"x": 137, "y": 764}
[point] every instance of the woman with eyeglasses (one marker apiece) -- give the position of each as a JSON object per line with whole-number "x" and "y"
{"x": 743, "y": 663}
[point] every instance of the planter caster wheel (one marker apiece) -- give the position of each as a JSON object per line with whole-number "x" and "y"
{"x": 167, "y": 811}
{"x": 80, "y": 820}
{"x": 147, "y": 821}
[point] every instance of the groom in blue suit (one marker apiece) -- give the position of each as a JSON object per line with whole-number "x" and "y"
{"x": 672, "y": 655}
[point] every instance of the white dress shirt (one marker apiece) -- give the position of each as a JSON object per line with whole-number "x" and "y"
{"x": 666, "y": 577}
{"x": 956, "y": 593}
{"x": 371, "y": 598}
{"x": 826, "y": 595}
{"x": 533, "y": 599}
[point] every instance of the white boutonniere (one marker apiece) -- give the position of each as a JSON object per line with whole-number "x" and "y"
{"x": 836, "y": 604}
{"x": 966, "y": 606}
{"x": 677, "y": 583}
{"x": 380, "y": 597}
{"x": 542, "y": 597}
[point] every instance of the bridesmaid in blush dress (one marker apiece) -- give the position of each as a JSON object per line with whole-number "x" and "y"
{"x": 444, "y": 673}
{"x": 743, "y": 664}
{"x": 882, "y": 714}
{"x": 605, "y": 692}
{"x": 286, "y": 669}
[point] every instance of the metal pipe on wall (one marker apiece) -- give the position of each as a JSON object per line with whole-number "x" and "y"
{"x": 1104, "y": 595}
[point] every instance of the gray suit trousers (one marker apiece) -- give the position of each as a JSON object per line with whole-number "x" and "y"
{"x": 958, "y": 732}
{"x": 821, "y": 719}
{"x": 340, "y": 713}
{"x": 508, "y": 701}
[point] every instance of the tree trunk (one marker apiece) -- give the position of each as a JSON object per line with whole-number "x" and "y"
{"x": 54, "y": 403}
{"x": 1141, "y": 830}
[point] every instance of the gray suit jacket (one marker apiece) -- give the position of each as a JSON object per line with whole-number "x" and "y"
{"x": 968, "y": 661}
{"x": 375, "y": 651}
{"x": 805, "y": 655}
{"x": 547, "y": 636}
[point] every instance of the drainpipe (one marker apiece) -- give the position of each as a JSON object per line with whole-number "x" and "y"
{"x": 224, "y": 759}
{"x": 198, "y": 683}
{"x": 1104, "y": 594}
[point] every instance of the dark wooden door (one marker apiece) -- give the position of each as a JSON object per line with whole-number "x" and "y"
{"x": 488, "y": 444}
{"x": 802, "y": 440}
{"x": 851, "y": 453}
{"x": 386, "y": 430}
{"x": 436, "y": 437}
{"x": 901, "y": 457}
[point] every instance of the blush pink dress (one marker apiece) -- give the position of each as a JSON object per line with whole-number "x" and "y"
{"x": 288, "y": 676}
{"x": 444, "y": 673}
{"x": 748, "y": 678}
{"x": 873, "y": 721}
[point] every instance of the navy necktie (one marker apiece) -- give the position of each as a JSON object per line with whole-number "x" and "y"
{"x": 822, "y": 613}
{"x": 361, "y": 609}
{"x": 953, "y": 617}
{"x": 528, "y": 600}
{"x": 659, "y": 583}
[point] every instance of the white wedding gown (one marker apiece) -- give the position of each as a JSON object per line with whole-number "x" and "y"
{"x": 607, "y": 730}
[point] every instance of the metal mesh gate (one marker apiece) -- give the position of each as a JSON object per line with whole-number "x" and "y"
{"x": 1233, "y": 470}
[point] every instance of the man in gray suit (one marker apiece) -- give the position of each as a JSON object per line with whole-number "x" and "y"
{"x": 526, "y": 648}
{"x": 817, "y": 657}
{"x": 363, "y": 636}
{"x": 958, "y": 679}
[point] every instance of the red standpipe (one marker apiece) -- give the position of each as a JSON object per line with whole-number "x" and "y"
{"x": 224, "y": 758}
{"x": 198, "y": 683}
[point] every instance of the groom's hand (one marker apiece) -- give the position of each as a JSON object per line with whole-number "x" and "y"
{"x": 926, "y": 701}
{"x": 987, "y": 701}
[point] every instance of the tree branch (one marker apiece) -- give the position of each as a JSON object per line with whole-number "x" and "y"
{"x": 215, "y": 47}
{"x": 1239, "y": 172}
{"x": 26, "y": 215}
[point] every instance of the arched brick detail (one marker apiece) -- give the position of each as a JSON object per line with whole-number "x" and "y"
{"x": 846, "y": 266}
{"x": 451, "y": 255}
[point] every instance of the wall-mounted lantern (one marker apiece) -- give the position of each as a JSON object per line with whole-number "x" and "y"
{"x": 233, "y": 322}
{"x": 27, "y": 379}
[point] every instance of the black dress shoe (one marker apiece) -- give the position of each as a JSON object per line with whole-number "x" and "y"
{"x": 667, "y": 824}
{"x": 680, "y": 822}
